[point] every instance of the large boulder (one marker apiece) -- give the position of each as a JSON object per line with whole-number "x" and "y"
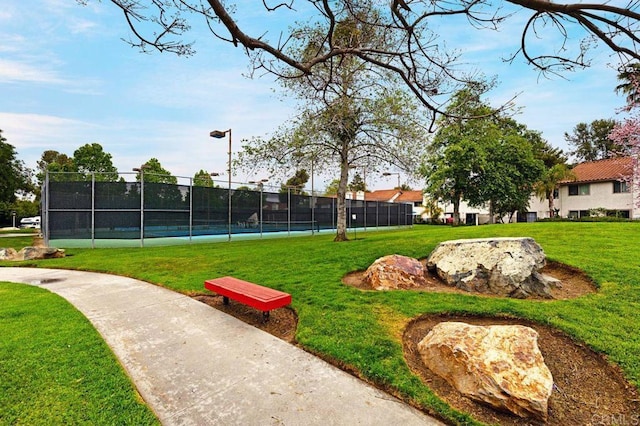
{"x": 8, "y": 253}
{"x": 499, "y": 365}
{"x": 500, "y": 266}
{"x": 31, "y": 253}
{"x": 395, "y": 272}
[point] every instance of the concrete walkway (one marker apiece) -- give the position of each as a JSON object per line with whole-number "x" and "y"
{"x": 195, "y": 365}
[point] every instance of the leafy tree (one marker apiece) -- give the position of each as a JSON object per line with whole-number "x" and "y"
{"x": 55, "y": 162}
{"x": 457, "y": 152}
{"x": 550, "y": 182}
{"x": 351, "y": 114}
{"x": 357, "y": 184}
{"x": 591, "y": 142}
{"x": 412, "y": 50}
{"x": 484, "y": 160}
{"x": 332, "y": 187}
{"x": 295, "y": 183}
{"x": 91, "y": 158}
{"x": 14, "y": 175}
{"x": 203, "y": 178}
{"x": 155, "y": 173}
{"x": 507, "y": 180}
{"x": 628, "y": 76}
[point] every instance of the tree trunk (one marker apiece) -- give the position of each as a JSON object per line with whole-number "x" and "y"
{"x": 456, "y": 212}
{"x": 341, "y": 225}
{"x": 551, "y": 207}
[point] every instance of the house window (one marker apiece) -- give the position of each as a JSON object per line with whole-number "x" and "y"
{"x": 417, "y": 204}
{"x": 556, "y": 194}
{"x": 582, "y": 189}
{"x": 620, "y": 187}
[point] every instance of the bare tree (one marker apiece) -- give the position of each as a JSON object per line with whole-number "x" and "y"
{"x": 413, "y": 52}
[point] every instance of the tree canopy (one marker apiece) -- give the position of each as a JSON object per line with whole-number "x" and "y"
{"x": 411, "y": 48}
{"x": 591, "y": 142}
{"x": 486, "y": 160}
{"x": 14, "y": 175}
{"x": 91, "y": 158}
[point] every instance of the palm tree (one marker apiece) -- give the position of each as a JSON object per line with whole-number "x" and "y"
{"x": 550, "y": 181}
{"x": 629, "y": 76}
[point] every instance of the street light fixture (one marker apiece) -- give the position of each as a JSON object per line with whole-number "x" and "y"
{"x": 219, "y": 134}
{"x": 391, "y": 174}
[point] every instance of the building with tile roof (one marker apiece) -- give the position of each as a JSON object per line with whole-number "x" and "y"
{"x": 599, "y": 187}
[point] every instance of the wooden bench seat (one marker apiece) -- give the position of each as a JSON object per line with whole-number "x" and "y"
{"x": 262, "y": 298}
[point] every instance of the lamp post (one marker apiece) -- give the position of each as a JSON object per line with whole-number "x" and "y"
{"x": 219, "y": 134}
{"x": 391, "y": 174}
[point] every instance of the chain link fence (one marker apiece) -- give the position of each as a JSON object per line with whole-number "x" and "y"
{"x": 98, "y": 206}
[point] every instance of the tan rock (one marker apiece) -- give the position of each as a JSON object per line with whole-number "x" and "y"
{"x": 8, "y": 253}
{"x": 394, "y": 272}
{"x": 499, "y": 365}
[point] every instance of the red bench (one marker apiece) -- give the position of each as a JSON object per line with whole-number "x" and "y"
{"x": 254, "y": 295}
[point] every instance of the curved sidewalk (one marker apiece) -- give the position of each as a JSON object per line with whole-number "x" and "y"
{"x": 195, "y": 365}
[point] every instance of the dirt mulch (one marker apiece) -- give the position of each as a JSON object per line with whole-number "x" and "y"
{"x": 282, "y": 322}
{"x": 574, "y": 282}
{"x": 588, "y": 390}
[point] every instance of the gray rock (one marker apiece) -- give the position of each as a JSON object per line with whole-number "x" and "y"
{"x": 501, "y": 266}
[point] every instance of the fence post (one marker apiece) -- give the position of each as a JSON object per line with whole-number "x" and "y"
{"x": 93, "y": 210}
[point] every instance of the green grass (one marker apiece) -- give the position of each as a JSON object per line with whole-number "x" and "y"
{"x": 25, "y": 239}
{"x": 56, "y": 369}
{"x": 362, "y": 330}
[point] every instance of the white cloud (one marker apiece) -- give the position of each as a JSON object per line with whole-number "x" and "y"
{"x": 15, "y": 71}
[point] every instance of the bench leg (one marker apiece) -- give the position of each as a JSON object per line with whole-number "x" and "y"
{"x": 225, "y": 300}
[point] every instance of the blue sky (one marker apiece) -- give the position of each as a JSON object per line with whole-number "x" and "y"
{"x": 67, "y": 79}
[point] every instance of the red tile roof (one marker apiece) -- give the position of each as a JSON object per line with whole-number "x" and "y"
{"x": 602, "y": 170}
{"x": 410, "y": 196}
{"x": 381, "y": 195}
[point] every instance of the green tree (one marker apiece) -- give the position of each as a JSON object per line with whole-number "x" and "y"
{"x": 508, "y": 177}
{"x": 332, "y": 188}
{"x": 91, "y": 158}
{"x": 351, "y": 114}
{"x": 591, "y": 142}
{"x": 55, "y": 162}
{"x": 155, "y": 173}
{"x": 358, "y": 184}
{"x": 203, "y": 178}
{"x": 457, "y": 152}
{"x": 550, "y": 182}
{"x": 15, "y": 177}
{"x": 295, "y": 183}
{"x": 488, "y": 160}
{"x": 629, "y": 77}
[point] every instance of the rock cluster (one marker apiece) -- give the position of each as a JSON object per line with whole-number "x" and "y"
{"x": 31, "y": 253}
{"x": 394, "y": 272}
{"x": 498, "y": 365}
{"x": 501, "y": 266}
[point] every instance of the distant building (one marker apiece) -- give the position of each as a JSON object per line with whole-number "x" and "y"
{"x": 599, "y": 188}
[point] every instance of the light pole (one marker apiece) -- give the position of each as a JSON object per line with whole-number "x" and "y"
{"x": 219, "y": 134}
{"x": 391, "y": 174}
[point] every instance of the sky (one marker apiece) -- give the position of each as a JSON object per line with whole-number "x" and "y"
{"x": 67, "y": 79}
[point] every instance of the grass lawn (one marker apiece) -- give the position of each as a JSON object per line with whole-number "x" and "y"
{"x": 362, "y": 330}
{"x": 55, "y": 369}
